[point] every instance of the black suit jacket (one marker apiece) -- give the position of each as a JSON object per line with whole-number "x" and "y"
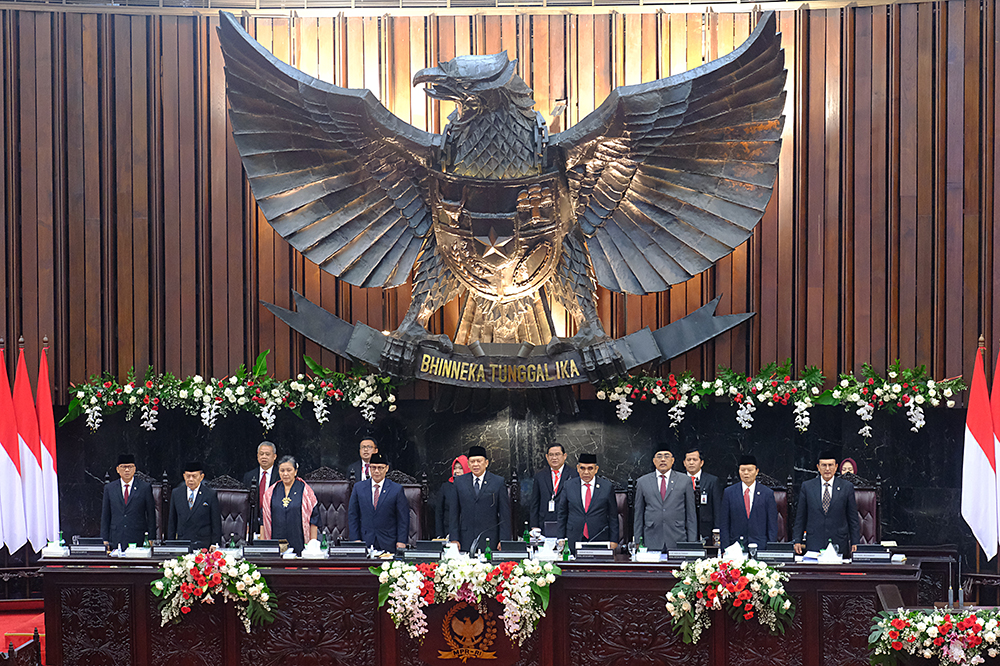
{"x": 252, "y": 480}
{"x": 121, "y": 524}
{"x": 541, "y": 493}
{"x": 841, "y": 524}
{"x": 708, "y": 511}
{"x": 601, "y": 519}
{"x": 356, "y": 467}
{"x": 384, "y": 526}
{"x": 200, "y": 524}
{"x": 447, "y": 504}
{"x": 486, "y": 516}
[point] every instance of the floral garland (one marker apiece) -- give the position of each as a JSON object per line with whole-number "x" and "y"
{"x": 773, "y": 385}
{"x": 197, "y": 576}
{"x": 744, "y": 588}
{"x": 251, "y": 391}
{"x": 522, "y": 587}
{"x": 949, "y": 636}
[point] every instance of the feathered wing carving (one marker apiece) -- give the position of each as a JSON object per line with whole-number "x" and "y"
{"x": 335, "y": 173}
{"x": 670, "y": 176}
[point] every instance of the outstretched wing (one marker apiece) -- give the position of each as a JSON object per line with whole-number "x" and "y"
{"x": 670, "y": 176}
{"x": 336, "y": 174}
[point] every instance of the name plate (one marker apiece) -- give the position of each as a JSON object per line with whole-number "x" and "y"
{"x": 347, "y": 552}
{"x": 685, "y": 554}
{"x": 261, "y": 551}
{"x": 87, "y": 551}
{"x": 775, "y": 556}
{"x": 421, "y": 555}
{"x": 885, "y": 557}
{"x": 170, "y": 551}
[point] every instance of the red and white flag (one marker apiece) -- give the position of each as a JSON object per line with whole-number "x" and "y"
{"x": 47, "y": 434}
{"x": 12, "y": 527}
{"x": 32, "y": 484}
{"x": 979, "y": 465}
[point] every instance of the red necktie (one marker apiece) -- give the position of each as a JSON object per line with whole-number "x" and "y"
{"x": 126, "y": 492}
{"x": 262, "y": 487}
{"x": 375, "y": 501}
{"x": 555, "y": 481}
{"x": 586, "y": 508}
{"x": 663, "y": 487}
{"x": 746, "y": 501}
{"x": 694, "y": 484}
{"x": 367, "y": 474}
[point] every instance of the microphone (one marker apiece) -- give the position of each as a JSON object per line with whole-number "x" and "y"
{"x": 600, "y": 532}
{"x": 475, "y": 542}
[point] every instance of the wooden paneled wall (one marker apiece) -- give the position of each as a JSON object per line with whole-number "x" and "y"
{"x": 130, "y": 237}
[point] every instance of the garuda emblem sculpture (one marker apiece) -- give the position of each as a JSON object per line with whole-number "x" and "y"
{"x": 652, "y": 188}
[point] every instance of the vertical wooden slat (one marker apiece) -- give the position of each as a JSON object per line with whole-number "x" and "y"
{"x": 76, "y": 192}
{"x": 831, "y": 212}
{"x": 863, "y": 180}
{"x": 880, "y": 183}
{"x": 140, "y": 194}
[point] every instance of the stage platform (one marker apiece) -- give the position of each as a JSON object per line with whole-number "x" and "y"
{"x": 102, "y": 612}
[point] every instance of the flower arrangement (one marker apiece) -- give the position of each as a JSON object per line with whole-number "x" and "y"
{"x": 521, "y": 587}
{"x": 909, "y": 388}
{"x": 744, "y": 588}
{"x": 949, "y": 636}
{"x": 774, "y": 385}
{"x": 251, "y": 391}
{"x": 200, "y": 575}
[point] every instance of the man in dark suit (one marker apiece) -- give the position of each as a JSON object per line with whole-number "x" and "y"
{"x": 483, "y": 508}
{"x": 194, "y": 510}
{"x": 264, "y": 476}
{"x": 588, "y": 510}
{"x": 748, "y": 509}
{"x": 378, "y": 512}
{"x": 128, "y": 514}
{"x": 664, "y": 505}
{"x": 827, "y": 512}
{"x": 707, "y": 495}
{"x": 362, "y": 467}
{"x": 547, "y": 489}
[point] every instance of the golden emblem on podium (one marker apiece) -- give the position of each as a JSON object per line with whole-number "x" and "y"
{"x": 469, "y": 632}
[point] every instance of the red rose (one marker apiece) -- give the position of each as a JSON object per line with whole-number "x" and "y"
{"x": 893, "y": 634}
{"x": 747, "y": 616}
{"x": 896, "y": 645}
{"x": 737, "y": 603}
{"x": 938, "y": 641}
{"x": 185, "y": 609}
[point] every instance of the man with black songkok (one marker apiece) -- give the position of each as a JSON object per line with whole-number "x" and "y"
{"x": 748, "y": 509}
{"x": 128, "y": 514}
{"x": 483, "y": 505}
{"x": 194, "y": 510}
{"x": 588, "y": 509}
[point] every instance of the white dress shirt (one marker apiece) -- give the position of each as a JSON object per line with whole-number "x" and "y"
{"x": 752, "y": 487}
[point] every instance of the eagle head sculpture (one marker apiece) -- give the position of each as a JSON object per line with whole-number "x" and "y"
{"x": 650, "y": 189}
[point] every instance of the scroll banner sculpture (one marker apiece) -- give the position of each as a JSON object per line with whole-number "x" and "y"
{"x": 650, "y": 189}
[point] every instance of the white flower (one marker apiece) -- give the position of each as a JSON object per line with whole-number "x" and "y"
{"x": 158, "y": 585}
{"x": 787, "y": 604}
{"x": 233, "y": 379}
{"x": 198, "y": 393}
{"x": 892, "y": 375}
{"x": 836, "y": 395}
{"x": 240, "y": 390}
{"x": 601, "y": 395}
{"x": 241, "y": 401}
{"x": 696, "y": 398}
{"x": 919, "y": 399}
{"x": 815, "y": 390}
{"x": 127, "y": 388}
{"x": 930, "y": 383}
{"x": 718, "y": 392}
{"x": 264, "y": 596}
{"x": 947, "y": 393}
{"x": 896, "y": 388}
{"x": 240, "y": 585}
{"x": 392, "y": 408}
{"x": 182, "y": 394}
{"x": 93, "y": 400}
{"x": 950, "y": 403}
{"x": 80, "y": 394}
{"x": 132, "y": 400}
{"x": 391, "y": 398}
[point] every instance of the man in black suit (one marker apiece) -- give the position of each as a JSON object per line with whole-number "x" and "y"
{"x": 483, "y": 508}
{"x": 749, "y": 511}
{"x": 708, "y": 493}
{"x": 194, "y": 510}
{"x": 547, "y": 489}
{"x": 264, "y": 476}
{"x": 588, "y": 509}
{"x": 128, "y": 514}
{"x": 362, "y": 468}
{"x": 827, "y": 512}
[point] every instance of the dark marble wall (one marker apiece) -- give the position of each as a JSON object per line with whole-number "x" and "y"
{"x": 922, "y": 471}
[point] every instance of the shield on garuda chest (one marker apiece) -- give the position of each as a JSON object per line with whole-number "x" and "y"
{"x": 501, "y": 238}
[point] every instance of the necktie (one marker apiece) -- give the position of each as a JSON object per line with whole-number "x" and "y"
{"x": 694, "y": 483}
{"x": 367, "y": 474}
{"x": 663, "y": 487}
{"x": 826, "y": 497}
{"x": 126, "y": 492}
{"x": 586, "y": 507}
{"x": 190, "y": 499}
{"x": 479, "y": 486}
{"x": 555, "y": 481}
{"x": 261, "y": 488}
{"x": 375, "y": 500}
{"x": 746, "y": 501}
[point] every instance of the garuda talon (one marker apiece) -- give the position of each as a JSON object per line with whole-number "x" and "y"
{"x": 650, "y": 189}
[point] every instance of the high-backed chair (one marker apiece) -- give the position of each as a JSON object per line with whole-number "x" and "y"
{"x": 333, "y": 493}
{"x": 161, "y": 500}
{"x": 868, "y": 495}
{"x": 416, "y": 495}
{"x": 626, "y": 505}
{"x": 235, "y": 501}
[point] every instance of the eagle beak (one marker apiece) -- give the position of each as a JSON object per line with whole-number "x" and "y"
{"x": 428, "y": 75}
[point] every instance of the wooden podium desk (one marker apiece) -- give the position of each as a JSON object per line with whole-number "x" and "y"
{"x": 101, "y": 612}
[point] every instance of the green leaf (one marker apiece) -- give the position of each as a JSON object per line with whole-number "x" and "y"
{"x": 383, "y": 594}
{"x": 315, "y": 368}
{"x": 826, "y": 398}
{"x": 73, "y": 412}
{"x": 543, "y": 595}
{"x": 260, "y": 365}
